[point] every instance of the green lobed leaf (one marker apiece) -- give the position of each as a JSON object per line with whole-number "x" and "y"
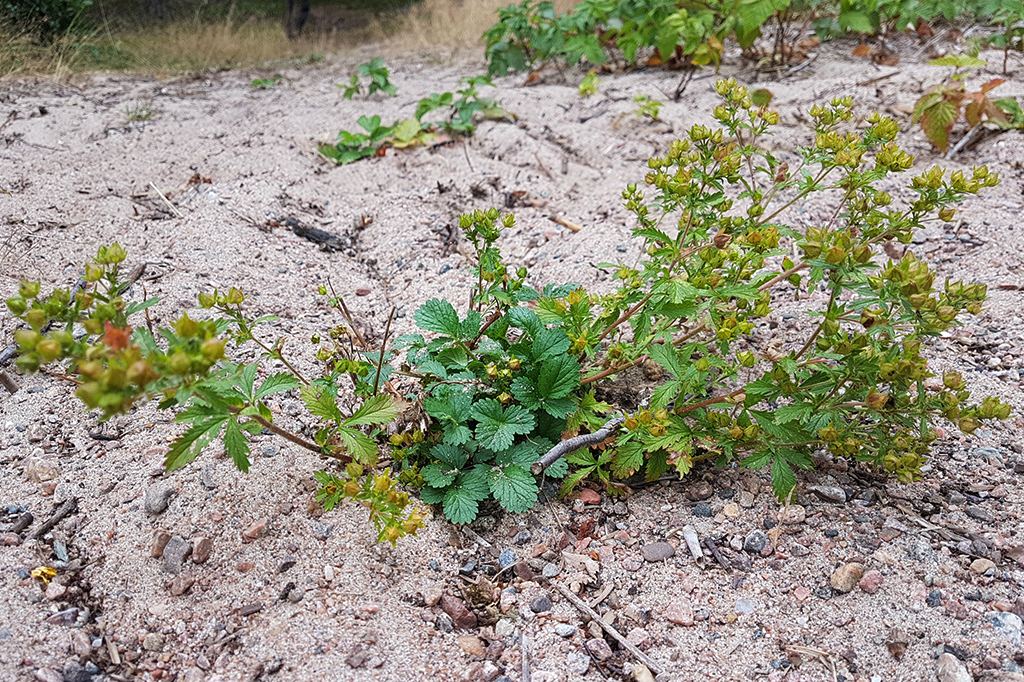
{"x": 437, "y": 476}
{"x": 236, "y": 445}
{"x": 321, "y": 402}
{"x": 514, "y": 487}
{"x": 453, "y": 456}
{"x": 379, "y": 409}
{"x": 359, "y": 445}
{"x": 460, "y": 506}
{"x": 783, "y": 478}
{"x": 276, "y": 383}
{"x": 438, "y": 315}
{"x": 558, "y": 377}
{"x": 497, "y": 427}
{"x": 188, "y": 446}
{"x": 549, "y": 343}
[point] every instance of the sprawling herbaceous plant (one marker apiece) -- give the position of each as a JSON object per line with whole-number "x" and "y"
{"x": 501, "y": 383}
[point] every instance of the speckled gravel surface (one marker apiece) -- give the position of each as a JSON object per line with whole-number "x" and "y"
{"x": 208, "y": 574}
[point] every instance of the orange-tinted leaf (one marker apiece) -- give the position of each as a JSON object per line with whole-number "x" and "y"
{"x": 924, "y": 30}
{"x": 973, "y": 112}
{"x": 116, "y": 338}
{"x": 885, "y": 58}
{"x": 533, "y": 78}
{"x": 861, "y": 50}
{"x": 655, "y": 59}
{"x": 992, "y": 85}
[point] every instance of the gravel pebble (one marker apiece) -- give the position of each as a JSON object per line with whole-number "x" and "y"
{"x": 599, "y": 648}
{"x": 157, "y": 497}
{"x": 703, "y": 510}
{"x": 657, "y": 551}
{"x": 540, "y": 604}
{"x": 755, "y": 541}
{"x": 201, "y": 550}
{"x": 871, "y": 582}
{"x": 152, "y": 642}
{"x": 175, "y": 553}
{"x": 565, "y": 630}
{"x": 506, "y": 558}
{"x": 949, "y": 669}
{"x": 460, "y": 615}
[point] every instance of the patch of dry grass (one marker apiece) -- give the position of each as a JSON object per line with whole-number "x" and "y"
{"x": 433, "y": 26}
{"x": 450, "y": 24}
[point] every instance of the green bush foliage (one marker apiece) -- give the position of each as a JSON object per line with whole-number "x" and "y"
{"x": 46, "y": 19}
{"x": 512, "y": 375}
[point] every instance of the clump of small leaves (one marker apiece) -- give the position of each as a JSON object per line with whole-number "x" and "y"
{"x": 139, "y": 112}
{"x": 944, "y": 103}
{"x": 460, "y": 107}
{"x": 589, "y": 84}
{"x": 647, "y": 107}
{"x": 379, "y": 77}
{"x": 267, "y": 83}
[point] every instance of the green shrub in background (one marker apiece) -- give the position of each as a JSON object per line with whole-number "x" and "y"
{"x": 45, "y": 19}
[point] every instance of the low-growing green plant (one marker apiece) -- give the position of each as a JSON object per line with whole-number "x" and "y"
{"x": 647, "y": 107}
{"x": 515, "y": 373}
{"x": 461, "y": 107}
{"x": 267, "y": 83}
{"x": 140, "y": 111}
{"x": 378, "y": 75}
{"x": 354, "y": 146}
{"x": 943, "y": 104}
{"x": 528, "y": 35}
{"x": 589, "y": 84}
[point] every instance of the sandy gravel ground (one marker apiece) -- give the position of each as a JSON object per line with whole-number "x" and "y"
{"x": 290, "y": 593}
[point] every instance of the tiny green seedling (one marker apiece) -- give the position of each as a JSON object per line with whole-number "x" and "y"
{"x": 267, "y": 83}
{"x": 140, "y": 111}
{"x": 589, "y": 85}
{"x": 647, "y": 107}
{"x": 378, "y": 74}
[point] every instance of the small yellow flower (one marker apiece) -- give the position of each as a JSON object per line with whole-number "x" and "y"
{"x": 44, "y": 573}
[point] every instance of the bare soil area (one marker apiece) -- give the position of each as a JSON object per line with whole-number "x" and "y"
{"x": 257, "y": 583}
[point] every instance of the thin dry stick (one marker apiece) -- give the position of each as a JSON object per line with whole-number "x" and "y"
{"x": 623, "y": 642}
{"x": 10, "y": 384}
{"x": 383, "y": 349}
{"x": 65, "y": 510}
{"x": 964, "y": 141}
{"x": 167, "y": 201}
{"x": 543, "y": 167}
{"x": 572, "y": 444}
